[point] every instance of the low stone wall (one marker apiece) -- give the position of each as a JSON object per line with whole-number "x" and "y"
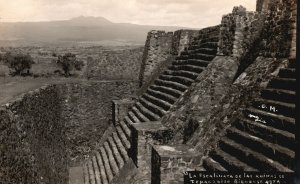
{"x": 32, "y": 139}
{"x": 88, "y": 112}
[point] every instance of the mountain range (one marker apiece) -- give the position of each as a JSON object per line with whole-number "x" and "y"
{"x": 78, "y": 29}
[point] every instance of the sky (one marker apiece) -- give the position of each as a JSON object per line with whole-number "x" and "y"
{"x": 186, "y": 13}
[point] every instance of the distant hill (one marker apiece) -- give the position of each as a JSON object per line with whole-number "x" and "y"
{"x": 76, "y": 29}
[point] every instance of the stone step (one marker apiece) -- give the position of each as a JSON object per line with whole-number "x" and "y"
{"x": 279, "y": 95}
{"x": 204, "y": 57}
{"x": 195, "y": 62}
{"x": 267, "y": 133}
{"x": 203, "y": 44}
{"x": 193, "y": 46}
{"x": 91, "y": 171}
{"x": 101, "y": 167}
{"x": 174, "y": 85}
{"x": 120, "y": 146}
{"x": 157, "y": 101}
{"x": 230, "y": 162}
{"x": 128, "y": 122}
{"x": 287, "y": 73}
{"x": 283, "y": 83}
{"x": 270, "y": 119}
{"x": 250, "y": 157}
{"x": 182, "y": 73}
{"x": 150, "y": 115}
{"x": 213, "y": 38}
{"x": 185, "y": 52}
{"x": 97, "y": 171}
{"x": 112, "y": 162}
{"x": 209, "y": 51}
{"x": 133, "y": 117}
{"x": 292, "y": 63}
{"x": 212, "y": 45}
{"x": 210, "y": 33}
{"x": 162, "y": 95}
{"x": 103, "y": 172}
{"x": 139, "y": 114}
{"x": 125, "y": 127}
{"x": 182, "y": 80}
{"x": 187, "y": 67}
{"x": 152, "y": 107}
{"x": 275, "y": 152}
{"x": 105, "y": 158}
{"x": 116, "y": 153}
{"x": 182, "y": 57}
{"x": 286, "y": 109}
{"x": 86, "y": 174}
{"x": 173, "y": 92}
{"x": 123, "y": 137}
{"x": 211, "y": 165}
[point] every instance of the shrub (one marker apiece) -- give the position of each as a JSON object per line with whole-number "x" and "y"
{"x": 18, "y": 62}
{"x": 69, "y": 62}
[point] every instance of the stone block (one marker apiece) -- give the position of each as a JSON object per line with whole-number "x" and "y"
{"x": 181, "y": 158}
{"x": 143, "y": 136}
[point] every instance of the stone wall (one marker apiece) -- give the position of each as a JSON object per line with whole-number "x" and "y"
{"x": 88, "y": 112}
{"x": 32, "y": 141}
{"x": 279, "y": 34}
{"x": 157, "y": 50}
{"x": 262, "y": 5}
{"x": 123, "y": 64}
{"x": 238, "y": 32}
{"x": 181, "y": 39}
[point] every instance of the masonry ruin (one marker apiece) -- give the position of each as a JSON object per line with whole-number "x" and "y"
{"x": 217, "y": 99}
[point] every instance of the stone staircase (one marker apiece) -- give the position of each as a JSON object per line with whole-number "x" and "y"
{"x": 264, "y": 139}
{"x": 152, "y": 106}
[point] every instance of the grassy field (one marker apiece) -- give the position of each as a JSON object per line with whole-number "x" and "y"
{"x": 45, "y": 57}
{"x": 104, "y": 60}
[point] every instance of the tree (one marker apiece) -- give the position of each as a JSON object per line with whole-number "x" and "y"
{"x": 69, "y": 62}
{"x": 18, "y": 62}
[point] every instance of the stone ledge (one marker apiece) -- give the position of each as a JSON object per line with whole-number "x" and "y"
{"x": 124, "y": 101}
{"x": 174, "y": 151}
{"x": 152, "y": 127}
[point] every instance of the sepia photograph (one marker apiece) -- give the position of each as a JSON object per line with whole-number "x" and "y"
{"x": 148, "y": 92}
